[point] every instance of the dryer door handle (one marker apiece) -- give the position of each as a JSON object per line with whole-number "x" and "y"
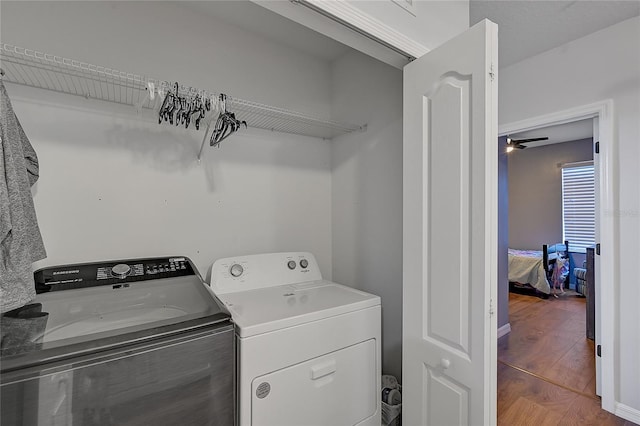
{"x": 324, "y": 369}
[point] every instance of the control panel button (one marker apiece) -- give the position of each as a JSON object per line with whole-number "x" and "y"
{"x": 291, "y": 264}
{"x": 304, "y": 263}
{"x": 121, "y": 270}
{"x": 236, "y": 270}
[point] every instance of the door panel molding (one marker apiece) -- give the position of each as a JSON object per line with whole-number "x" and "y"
{"x": 440, "y": 411}
{"x": 449, "y": 95}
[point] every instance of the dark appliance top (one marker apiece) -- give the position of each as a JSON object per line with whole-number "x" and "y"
{"x": 101, "y": 305}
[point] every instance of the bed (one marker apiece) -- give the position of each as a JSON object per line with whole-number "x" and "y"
{"x": 531, "y": 269}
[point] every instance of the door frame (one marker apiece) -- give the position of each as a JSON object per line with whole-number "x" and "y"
{"x": 605, "y": 217}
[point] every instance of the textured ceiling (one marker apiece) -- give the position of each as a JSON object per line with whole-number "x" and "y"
{"x": 530, "y": 27}
{"x": 526, "y": 27}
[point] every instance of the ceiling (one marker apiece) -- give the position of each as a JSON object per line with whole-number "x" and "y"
{"x": 530, "y": 27}
{"x": 526, "y": 27}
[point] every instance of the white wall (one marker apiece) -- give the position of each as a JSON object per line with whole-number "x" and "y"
{"x": 367, "y": 191}
{"x": 117, "y": 185}
{"x": 603, "y": 65}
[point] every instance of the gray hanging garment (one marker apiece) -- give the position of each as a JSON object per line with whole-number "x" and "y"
{"x": 20, "y": 239}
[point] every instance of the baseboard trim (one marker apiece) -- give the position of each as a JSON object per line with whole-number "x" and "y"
{"x": 627, "y": 413}
{"x": 504, "y": 330}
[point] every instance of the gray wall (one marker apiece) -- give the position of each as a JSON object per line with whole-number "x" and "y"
{"x": 367, "y": 191}
{"x": 535, "y": 191}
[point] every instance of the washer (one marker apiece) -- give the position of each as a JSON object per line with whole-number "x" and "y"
{"x": 135, "y": 341}
{"x": 308, "y": 350}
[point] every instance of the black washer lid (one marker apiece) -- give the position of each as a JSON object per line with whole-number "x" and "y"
{"x": 94, "y": 304}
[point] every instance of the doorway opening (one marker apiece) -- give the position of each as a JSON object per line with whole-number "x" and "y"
{"x": 600, "y": 116}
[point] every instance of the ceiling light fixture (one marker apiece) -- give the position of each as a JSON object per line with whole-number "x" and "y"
{"x": 509, "y": 145}
{"x": 517, "y": 143}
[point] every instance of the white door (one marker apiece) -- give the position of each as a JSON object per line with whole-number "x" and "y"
{"x": 450, "y": 232}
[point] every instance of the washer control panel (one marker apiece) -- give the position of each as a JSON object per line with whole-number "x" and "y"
{"x": 119, "y": 273}
{"x": 121, "y": 270}
{"x": 303, "y": 264}
{"x": 241, "y": 273}
{"x": 236, "y": 270}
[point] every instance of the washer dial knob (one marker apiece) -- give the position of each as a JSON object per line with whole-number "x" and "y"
{"x": 236, "y": 270}
{"x": 291, "y": 264}
{"x": 304, "y": 263}
{"x": 121, "y": 270}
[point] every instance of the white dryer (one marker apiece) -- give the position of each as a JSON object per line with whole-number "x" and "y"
{"x": 308, "y": 350}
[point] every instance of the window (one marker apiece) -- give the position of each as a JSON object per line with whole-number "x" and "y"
{"x": 579, "y": 205}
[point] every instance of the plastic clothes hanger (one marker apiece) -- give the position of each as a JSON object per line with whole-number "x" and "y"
{"x": 169, "y": 107}
{"x": 219, "y": 127}
{"x": 226, "y": 125}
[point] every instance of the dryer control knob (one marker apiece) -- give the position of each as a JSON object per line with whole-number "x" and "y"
{"x": 121, "y": 270}
{"x": 304, "y": 263}
{"x": 291, "y": 264}
{"x": 236, "y": 270}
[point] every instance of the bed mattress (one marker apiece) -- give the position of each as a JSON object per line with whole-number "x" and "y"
{"x": 526, "y": 267}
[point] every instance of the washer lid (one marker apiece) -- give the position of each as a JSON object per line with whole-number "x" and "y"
{"x": 94, "y": 305}
{"x": 78, "y": 315}
{"x": 268, "y": 309}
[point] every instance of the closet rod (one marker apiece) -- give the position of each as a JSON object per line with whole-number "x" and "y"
{"x": 352, "y": 27}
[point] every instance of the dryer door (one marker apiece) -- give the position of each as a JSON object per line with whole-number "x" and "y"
{"x": 338, "y": 388}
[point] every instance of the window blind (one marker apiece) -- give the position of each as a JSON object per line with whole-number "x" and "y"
{"x": 578, "y": 205}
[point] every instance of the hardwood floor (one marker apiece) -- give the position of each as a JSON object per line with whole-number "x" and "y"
{"x": 546, "y": 365}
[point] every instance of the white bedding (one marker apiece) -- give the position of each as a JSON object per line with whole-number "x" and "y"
{"x": 525, "y": 267}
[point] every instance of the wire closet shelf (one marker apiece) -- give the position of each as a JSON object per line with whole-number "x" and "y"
{"x": 36, "y": 69}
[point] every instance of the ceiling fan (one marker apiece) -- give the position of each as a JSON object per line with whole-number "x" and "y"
{"x": 517, "y": 143}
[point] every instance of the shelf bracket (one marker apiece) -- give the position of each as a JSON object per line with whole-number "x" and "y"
{"x": 204, "y": 139}
{"x": 149, "y": 95}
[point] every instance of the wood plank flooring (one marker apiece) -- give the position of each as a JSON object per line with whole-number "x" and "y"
{"x": 546, "y": 365}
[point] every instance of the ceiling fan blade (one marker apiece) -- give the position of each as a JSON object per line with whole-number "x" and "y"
{"x": 519, "y": 146}
{"x": 530, "y": 140}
